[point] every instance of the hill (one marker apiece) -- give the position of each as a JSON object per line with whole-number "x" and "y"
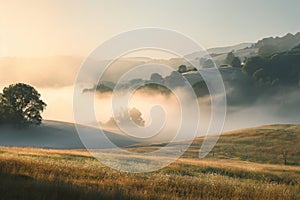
{"x": 30, "y": 173}
{"x": 264, "y": 144}
{"x": 245, "y": 50}
{"x": 284, "y": 43}
{"x": 56, "y": 135}
{"x": 221, "y": 50}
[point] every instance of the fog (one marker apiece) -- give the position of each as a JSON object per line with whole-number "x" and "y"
{"x": 279, "y": 108}
{"x": 169, "y": 120}
{"x": 54, "y": 77}
{"x": 282, "y": 107}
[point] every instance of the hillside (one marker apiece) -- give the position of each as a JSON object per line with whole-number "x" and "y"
{"x": 284, "y": 43}
{"x": 221, "y": 50}
{"x": 56, "y": 135}
{"x": 246, "y": 50}
{"x": 264, "y": 144}
{"x": 75, "y": 174}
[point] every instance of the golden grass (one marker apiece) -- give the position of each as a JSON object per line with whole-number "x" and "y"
{"x": 74, "y": 174}
{"x": 247, "y": 164}
{"x": 242, "y": 165}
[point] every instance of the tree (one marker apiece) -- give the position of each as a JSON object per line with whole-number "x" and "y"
{"x": 259, "y": 74}
{"x": 277, "y": 69}
{"x": 175, "y": 79}
{"x": 253, "y": 64}
{"x": 124, "y": 116}
{"x": 236, "y": 62}
{"x": 182, "y": 69}
{"x": 2, "y": 111}
{"x": 193, "y": 69}
{"x": 229, "y": 58}
{"x": 267, "y": 50}
{"x": 102, "y": 88}
{"x": 208, "y": 64}
{"x": 20, "y": 104}
{"x": 136, "y": 117}
{"x": 201, "y": 89}
{"x": 156, "y": 78}
{"x": 233, "y": 60}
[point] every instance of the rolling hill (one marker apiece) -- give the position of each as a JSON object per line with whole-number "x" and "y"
{"x": 264, "y": 144}
{"x": 236, "y": 169}
{"x": 56, "y": 135}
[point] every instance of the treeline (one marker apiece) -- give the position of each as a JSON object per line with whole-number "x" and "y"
{"x": 275, "y": 69}
{"x": 157, "y": 84}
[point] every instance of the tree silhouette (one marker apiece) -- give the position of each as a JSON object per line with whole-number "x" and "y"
{"x": 124, "y": 116}
{"x": 236, "y": 62}
{"x": 233, "y": 60}
{"x": 229, "y": 58}
{"x": 136, "y": 117}
{"x": 156, "y": 78}
{"x": 20, "y": 104}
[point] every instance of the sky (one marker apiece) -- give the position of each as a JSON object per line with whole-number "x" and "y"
{"x": 49, "y": 39}
{"x": 35, "y": 28}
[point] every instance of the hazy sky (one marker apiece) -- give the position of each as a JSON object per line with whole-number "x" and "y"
{"x": 76, "y": 27}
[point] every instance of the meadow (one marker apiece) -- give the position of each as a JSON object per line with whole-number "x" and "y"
{"x": 245, "y": 164}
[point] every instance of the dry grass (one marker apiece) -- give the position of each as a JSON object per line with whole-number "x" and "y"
{"x": 246, "y": 164}
{"x": 28, "y": 173}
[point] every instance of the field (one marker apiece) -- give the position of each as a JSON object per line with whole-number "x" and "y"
{"x": 245, "y": 164}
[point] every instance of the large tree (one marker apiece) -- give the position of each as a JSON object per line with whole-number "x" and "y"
{"x": 20, "y": 104}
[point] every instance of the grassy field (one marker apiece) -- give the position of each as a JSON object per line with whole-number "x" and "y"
{"x": 237, "y": 170}
{"x": 264, "y": 144}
